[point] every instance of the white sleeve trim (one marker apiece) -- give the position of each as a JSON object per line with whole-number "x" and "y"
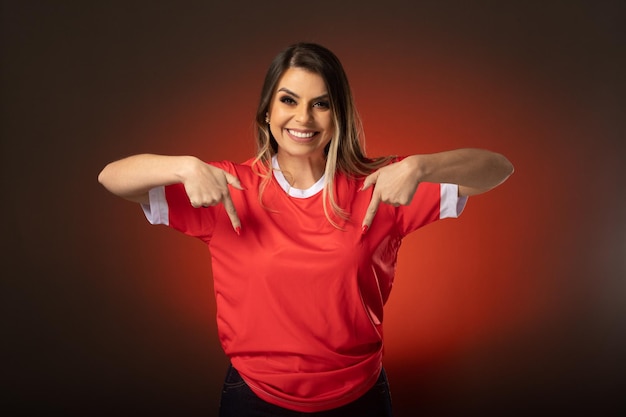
{"x": 157, "y": 212}
{"x": 451, "y": 205}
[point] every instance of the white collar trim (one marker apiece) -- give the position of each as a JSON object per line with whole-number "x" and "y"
{"x": 295, "y": 192}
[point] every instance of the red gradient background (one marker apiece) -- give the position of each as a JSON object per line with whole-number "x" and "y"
{"x": 517, "y": 306}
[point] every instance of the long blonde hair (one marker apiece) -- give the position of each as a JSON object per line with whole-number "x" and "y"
{"x": 345, "y": 152}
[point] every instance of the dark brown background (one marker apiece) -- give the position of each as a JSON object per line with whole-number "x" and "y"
{"x": 519, "y": 306}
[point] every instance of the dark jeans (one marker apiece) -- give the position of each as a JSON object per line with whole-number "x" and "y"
{"x": 238, "y": 400}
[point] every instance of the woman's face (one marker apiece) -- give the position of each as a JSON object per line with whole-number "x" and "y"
{"x": 300, "y": 117}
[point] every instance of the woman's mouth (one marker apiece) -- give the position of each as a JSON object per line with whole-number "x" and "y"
{"x": 301, "y": 136}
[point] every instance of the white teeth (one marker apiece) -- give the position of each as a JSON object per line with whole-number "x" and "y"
{"x": 303, "y": 135}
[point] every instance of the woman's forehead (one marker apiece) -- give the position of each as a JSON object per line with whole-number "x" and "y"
{"x": 302, "y": 82}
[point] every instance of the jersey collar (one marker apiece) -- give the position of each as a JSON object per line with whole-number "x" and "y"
{"x": 295, "y": 192}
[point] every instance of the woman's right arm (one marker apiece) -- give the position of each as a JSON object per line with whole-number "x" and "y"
{"x": 133, "y": 177}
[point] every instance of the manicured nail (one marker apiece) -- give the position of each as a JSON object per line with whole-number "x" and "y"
{"x": 238, "y": 230}
{"x": 364, "y": 229}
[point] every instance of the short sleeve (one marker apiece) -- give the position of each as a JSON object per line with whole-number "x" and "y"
{"x": 431, "y": 202}
{"x": 170, "y": 206}
{"x": 157, "y": 211}
{"x": 451, "y": 205}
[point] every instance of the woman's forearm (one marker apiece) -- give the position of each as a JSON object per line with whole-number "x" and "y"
{"x": 134, "y": 176}
{"x": 474, "y": 170}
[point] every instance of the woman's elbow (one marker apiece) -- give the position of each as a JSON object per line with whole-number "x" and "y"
{"x": 503, "y": 167}
{"x": 104, "y": 177}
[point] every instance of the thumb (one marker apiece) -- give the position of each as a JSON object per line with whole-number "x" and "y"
{"x": 234, "y": 181}
{"x": 370, "y": 180}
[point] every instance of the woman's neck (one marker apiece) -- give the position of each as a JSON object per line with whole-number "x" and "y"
{"x": 301, "y": 172}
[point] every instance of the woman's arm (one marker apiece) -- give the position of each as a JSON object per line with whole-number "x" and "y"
{"x": 133, "y": 177}
{"x": 474, "y": 170}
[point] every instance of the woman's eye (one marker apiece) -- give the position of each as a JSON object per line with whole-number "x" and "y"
{"x": 322, "y": 104}
{"x": 287, "y": 100}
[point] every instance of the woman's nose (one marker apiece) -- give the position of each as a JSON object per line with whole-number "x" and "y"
{"x": 303, "y": 114}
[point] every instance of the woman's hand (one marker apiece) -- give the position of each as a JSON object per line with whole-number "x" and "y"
{"x": 207, "y": 186}
{"x": 394, "y": 184}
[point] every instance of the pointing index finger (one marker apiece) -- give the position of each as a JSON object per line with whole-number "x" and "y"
{"x": 371, "y": 211}
{"x": 231, "y": 212}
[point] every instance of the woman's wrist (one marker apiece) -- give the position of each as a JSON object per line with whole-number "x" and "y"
{"x": 184, "y": 166}
{"x": 419, "y": 166}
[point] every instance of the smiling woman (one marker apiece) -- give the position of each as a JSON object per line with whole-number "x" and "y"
{"x": 301, "y": 282}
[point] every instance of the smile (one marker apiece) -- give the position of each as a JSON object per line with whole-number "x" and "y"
{"x": 301, "y": 135}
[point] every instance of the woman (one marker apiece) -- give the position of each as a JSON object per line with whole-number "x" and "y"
{"x": 304, "y": 238}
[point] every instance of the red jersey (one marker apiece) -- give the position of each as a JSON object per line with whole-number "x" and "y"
{"x": 300, "y": 301}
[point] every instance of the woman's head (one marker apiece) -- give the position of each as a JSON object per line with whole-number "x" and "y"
{"x": 344, "y": 150}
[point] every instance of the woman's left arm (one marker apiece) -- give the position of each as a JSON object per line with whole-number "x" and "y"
{"x": 474, "y": 170}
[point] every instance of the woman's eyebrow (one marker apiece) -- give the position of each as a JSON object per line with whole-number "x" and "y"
{"x": 288, "y": 91}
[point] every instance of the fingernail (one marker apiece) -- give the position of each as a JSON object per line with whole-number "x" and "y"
{"x": 364, "y": 229}
{"x": 238, "y": 230}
